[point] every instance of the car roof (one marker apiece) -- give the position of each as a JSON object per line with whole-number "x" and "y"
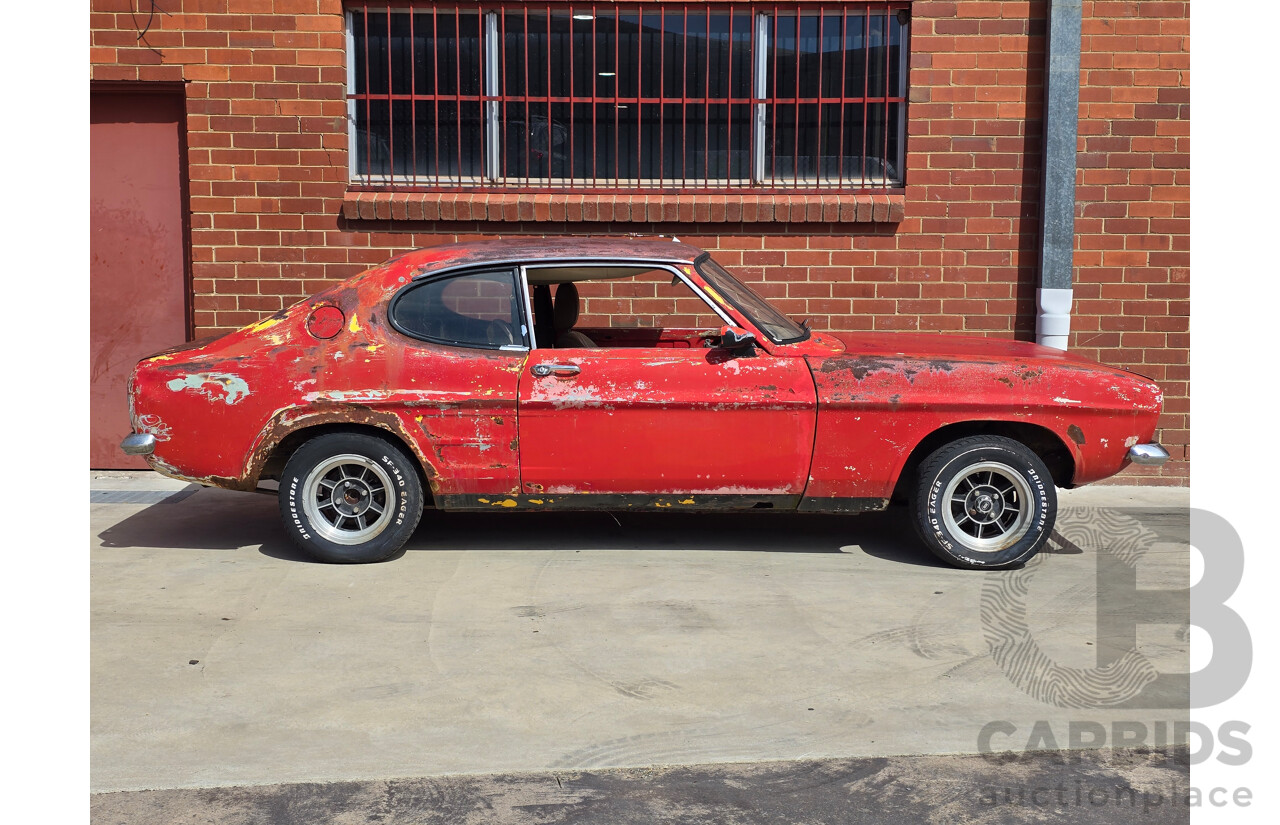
{"x": 568, "y": 248}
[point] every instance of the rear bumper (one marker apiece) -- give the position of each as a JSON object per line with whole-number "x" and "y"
{"x": 138, "y": 444}
{"x": 1148, "y": 455}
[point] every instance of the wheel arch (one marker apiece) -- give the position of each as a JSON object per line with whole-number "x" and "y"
{"x": 290, "y": 430}
{"x": 1045, "y": 443}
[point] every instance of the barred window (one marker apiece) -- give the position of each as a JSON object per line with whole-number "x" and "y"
{"x": 658, "y": 97}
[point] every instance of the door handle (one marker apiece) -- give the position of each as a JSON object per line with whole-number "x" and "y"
{"x": 558, "y": 370}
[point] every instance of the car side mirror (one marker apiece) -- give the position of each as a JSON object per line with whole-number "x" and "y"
{"x": 739, "y": 342}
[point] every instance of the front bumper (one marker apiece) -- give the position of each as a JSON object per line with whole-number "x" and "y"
{"x": 1148, "y": 455}
{"x": 138, "y": 444}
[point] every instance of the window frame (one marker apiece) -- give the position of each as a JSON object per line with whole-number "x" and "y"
{"x": 764, "y": 19}
{"x": 520, "y": 304}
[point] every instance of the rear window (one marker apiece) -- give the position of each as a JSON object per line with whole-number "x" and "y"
{"x": 478, "y": 310}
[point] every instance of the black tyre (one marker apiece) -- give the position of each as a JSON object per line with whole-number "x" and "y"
{"x": 984, "y": 502}
{"x": 350, "y": 498}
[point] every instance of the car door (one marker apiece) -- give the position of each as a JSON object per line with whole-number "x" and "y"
{"x": 641, "y": 421}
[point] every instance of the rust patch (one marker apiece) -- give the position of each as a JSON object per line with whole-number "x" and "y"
{"x": 1077, "y": 434}
{"x": 291, "y": 421}
{"x": 1008, "y": 382}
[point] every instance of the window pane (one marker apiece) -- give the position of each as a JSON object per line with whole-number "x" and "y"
{"x": 478, "y": 310}
{"x": 431, "y": 57}
{"x": 620, "y": 67}
{"x": 832, "y": 118}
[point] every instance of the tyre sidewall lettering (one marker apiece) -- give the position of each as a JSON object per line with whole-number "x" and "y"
{"x": 295, "y": 512}
{"x": 402, "y": 494}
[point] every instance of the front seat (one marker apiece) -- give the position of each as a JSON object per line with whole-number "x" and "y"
{"x": 566, "y": 315}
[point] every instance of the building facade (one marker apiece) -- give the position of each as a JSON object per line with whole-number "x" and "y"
{"x": 871, "y": 166}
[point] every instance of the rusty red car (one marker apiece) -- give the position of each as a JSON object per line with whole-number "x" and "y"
{"x": 459, "y": 377}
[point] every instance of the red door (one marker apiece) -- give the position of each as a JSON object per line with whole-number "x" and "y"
{"x": 642, "y": 421}
{"x": 138, "y": 283}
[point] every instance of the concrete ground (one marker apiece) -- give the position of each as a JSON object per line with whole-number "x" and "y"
{"x": 567, "y": 644}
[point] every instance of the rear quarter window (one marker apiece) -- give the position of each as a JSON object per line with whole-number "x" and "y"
{"x": 478, "y": 310}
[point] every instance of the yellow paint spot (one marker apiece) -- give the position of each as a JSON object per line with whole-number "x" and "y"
{"x": 264, "y": 324}
{"x": 508, "y": 502}
{"x": 686, "y": 501}
{"x": 535, "y": 501}
{"x": 372, "y": 348}
{"x": 354, "y": 326}
{"x": 483, "y": 500}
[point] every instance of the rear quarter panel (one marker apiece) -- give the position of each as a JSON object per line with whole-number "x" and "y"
{"x": 219, "y": 409}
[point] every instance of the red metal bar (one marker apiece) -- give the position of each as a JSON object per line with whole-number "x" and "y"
{"x": 751, "y": 130}
{"x": 795, "y": 146}
{"x": 773, "y": 144}
{"x": 662, "y": 94}
{"x": 435, "y": 84}
{"x": 457, "y": 87}
{"x": 573, "y": 93}
{"x": 866, "y": 89}
{"x": 884, "y": 147}
{"x": 639, "y": 91}
{"x": 595, "y": 105}
{"x": 391, "y": 115}
{"x": 684, "y": 91}
{"x": 368, "y": 105}
{"x": 706, "y": 112}
{"x": 413, "y": 103}
{"x": 502, "y": 93}
{"x": 617, "y": 131}
{"x": 528, "y": 116}
{"x": 547, "y": 47}
{"x": 728, "y": 112}
{"x": 817, "y": 173}
{"x": 844, "y": 72}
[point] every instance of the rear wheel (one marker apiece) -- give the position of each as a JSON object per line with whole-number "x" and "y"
{"x": 350, "y": 497}
{"x": 984, "y": 502}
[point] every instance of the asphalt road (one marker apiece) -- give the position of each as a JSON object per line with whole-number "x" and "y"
{"x": 636, "y": 655}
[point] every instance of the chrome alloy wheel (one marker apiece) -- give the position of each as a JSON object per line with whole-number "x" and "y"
{"x": 987, "y": 507}
{"x": 346, "y": 499}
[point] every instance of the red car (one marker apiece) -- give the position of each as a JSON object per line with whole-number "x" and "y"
{"x": 458, "y": 377}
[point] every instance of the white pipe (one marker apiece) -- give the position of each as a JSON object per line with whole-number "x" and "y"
{"x": 1053, "y": 317}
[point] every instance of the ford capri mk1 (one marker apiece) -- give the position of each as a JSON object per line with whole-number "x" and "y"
{"x": 603, "y": 374}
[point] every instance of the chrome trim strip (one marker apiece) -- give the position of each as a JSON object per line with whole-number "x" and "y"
{"x": 578, "y": 260}
{"x": 1148, "y": 455}
{"x": 138, "y": 444}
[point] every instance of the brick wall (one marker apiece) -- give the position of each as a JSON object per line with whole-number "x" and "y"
{"x": 267, "y": 142}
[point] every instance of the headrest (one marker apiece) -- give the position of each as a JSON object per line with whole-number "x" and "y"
{"x": 566, "y": 310}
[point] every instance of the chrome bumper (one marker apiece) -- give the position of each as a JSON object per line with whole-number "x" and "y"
{"x": 138, "y": 444}
{"x": 1148, "y": 455}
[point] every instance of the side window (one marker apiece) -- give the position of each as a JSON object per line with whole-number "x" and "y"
{"x": 478, "y": 310}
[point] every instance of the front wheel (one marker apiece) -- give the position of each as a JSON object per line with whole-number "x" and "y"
{"x": 350, "y": 498}
{"x": 984, "y": 502}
